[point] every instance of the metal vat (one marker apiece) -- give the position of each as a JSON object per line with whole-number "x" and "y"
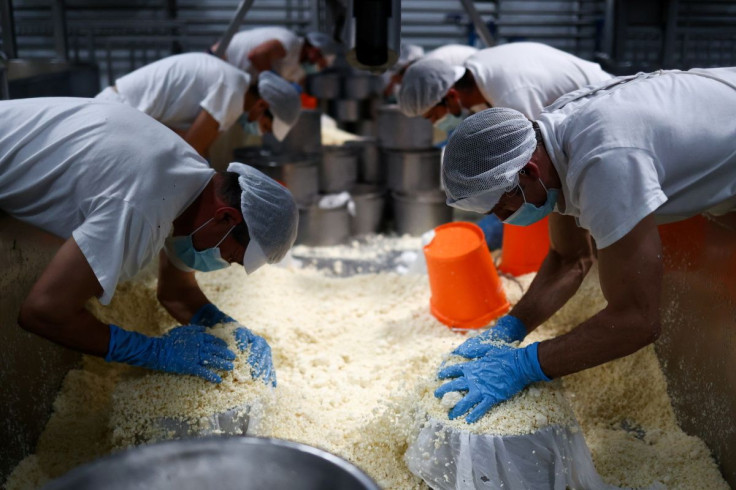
{"x": 358, "y": 86}
{"x": 319, "y": 227}
{"x": 398, "y": 132}
{"x": 370, "y": 203}
{"x": 324, "y": 85}
{"x": 410, "y": 171}
{"x": 345, "y": 110}
{"x": 338, "y": 170}
{"x": 371, "y": 167}
{"x": 297, "y": 171}
{"x": 225, "y": 463}
{"x": 417, "y": 212}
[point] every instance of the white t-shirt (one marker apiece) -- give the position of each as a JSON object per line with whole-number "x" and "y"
{"x": 244, "y": 42}
{"x": 102, "y": 172}
{"x": 452, "y": 54}
{"x": 175, "y": 89}
{"x": 662, "y": 143}
{"x": 529, "y": 76}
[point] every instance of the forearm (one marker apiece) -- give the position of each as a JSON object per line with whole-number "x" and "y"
{"x": 183, "y": 302}
{"x": 606, "y": 336}
{"x": 555, "y": 283}
{"x": 81, "y": 331}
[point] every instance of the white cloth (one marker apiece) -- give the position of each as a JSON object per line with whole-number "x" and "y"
{"x": 529, "y": 76}
{"x": 175, "y": 89}
{"x": 244, "y": 42}
{"x": 109, "y": 94}
{"x": 104, "y": 173}
{"x": 661, "y": 143}
{"x": 452, "y": 54}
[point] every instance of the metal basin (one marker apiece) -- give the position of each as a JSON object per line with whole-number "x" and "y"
{"x": 358, "y": 85}
{"x": 398, "y": 132}
{"x": 297, "y": 171}
{"x": 345, "y": 110}
{"x": 225, "y": 463}
{"x": 413, "y": 170}
{"x": 371, "y": 167}
{"x": 322, "y": 227}
{"x": 370, "y": 203}
{"x": 339, "y": 168}
{"x": 418, "y": 212}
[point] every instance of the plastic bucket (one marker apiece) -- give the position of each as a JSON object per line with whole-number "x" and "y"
{"x": 524, "y": 248}
{"x": 466, "y": 290}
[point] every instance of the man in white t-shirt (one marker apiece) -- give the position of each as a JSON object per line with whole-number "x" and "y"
{"x": 280, "y": 50}
{"x": 522, "y": 76}
{"x": 612, "y": 162}
{"x": 200, "y": 96}
{"x": 121, "y": 188}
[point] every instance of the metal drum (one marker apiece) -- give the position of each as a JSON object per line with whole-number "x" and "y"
{"x": 345, "y": 110}
{"x": 324, "y": 85}
{"x": 225, "y": 463}
{"x": 318, "y": 227}
{"x": 297, "y": 171}
{"x": 339, "y": 168}
{"x": 304, "y": 137}
{"x": 370, "y": 202}
{"x": 410, "y": 171}
{"x": 398, "y": 132}
{"x": 418, "y": 212}
{"x": 358, "y": 85}
{"x": 371, "y": 168}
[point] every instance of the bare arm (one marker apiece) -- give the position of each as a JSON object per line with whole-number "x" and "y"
{"x": 55, "y": 307}
{"x": 203, "y": 132}
{"x": 631, "y": 280}
{"x": 563, "y": 270}
{"x": 178, "y": 291}
{"x": 263, "y": 56}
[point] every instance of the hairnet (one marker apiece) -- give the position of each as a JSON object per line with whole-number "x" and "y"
{"x": 270, "y": 213}
{"x": 424, "y": 85}
{"x": 283, "y": 100}
{"x": 483, "y": 158}
{"x": 322, "y": 41}
{"x": 407, "y": 54}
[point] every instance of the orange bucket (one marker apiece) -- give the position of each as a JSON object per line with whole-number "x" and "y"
{"x": 466, "y": 290}
{"x": 524, "y": 248}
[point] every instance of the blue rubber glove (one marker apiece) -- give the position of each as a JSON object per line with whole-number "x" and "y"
{"x": 496, "y": 377}
{"x": 259, "y": 357}
{"x": 182, "y": 350}
{"x": 209, "y": 316}
{"x": 507, "y": 329}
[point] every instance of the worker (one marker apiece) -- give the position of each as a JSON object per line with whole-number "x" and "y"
{"x": 452, "y": 54}
{"x": 607, "y": 164}
{"x": 200, "y": 96}
{"x": 522, "y": 76}
{"x": 408, "y": 53}
{"x": 280, "y": 50}
{"x": 120, "y": 188}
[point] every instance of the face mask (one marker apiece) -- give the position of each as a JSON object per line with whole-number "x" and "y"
{"x": 448, "y": 122}
{"x": 479, "y": 107}
{"x": 200, "y": 260}
{"x": 528, "y": 213}
{"x": 310, "y": 68}
{"x": 250, "y": 127}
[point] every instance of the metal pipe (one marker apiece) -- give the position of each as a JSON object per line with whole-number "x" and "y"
{"x": 58, "y": 10}
{"x": 10, "y": 45}
{"x": 243, "y": 8}
{"x": 480, "y": 26}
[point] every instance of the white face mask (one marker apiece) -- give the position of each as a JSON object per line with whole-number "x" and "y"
{"x": 479, "y": 107}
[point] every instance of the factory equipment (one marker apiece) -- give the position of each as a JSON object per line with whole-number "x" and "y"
{"x": 373, "y": 34}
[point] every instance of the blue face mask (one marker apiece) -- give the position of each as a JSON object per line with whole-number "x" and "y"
{"x": 448, "y": 122}
{"x": 200, "y": 260}
{"x": 528, "y": 213}
{"x": 250, "y": 127}
{"x": 310, "y": 68}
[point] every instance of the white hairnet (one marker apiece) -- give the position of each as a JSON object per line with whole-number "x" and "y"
{"x": 483, "y": 158}
{"x": 270, "y": 213}
{"x": 283, "y": 102}
{"x": 407, "y": 54}
{"x": 424, "y": 85}
{"x": 322, "y": 41}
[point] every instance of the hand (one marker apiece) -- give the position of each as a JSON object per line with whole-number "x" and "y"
{"x": 182, "y": 350}
{"x": 500, "y": 374}
{"x": 209, "y": 316}
{"x": 259, "y": 357}
{"x": 507, "y": 329}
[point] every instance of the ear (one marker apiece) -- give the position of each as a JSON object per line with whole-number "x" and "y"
{"x": 230, "y": 215}
{"x": 531, "y": 170}
{"x": 453, "y": 101}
